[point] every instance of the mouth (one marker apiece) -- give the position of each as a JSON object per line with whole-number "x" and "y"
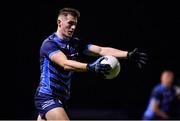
{"x": 70, "y": 32}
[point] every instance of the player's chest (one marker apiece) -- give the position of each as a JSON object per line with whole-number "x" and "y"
{"x": 69, "y": 51}
{"x": 168, "y": 96}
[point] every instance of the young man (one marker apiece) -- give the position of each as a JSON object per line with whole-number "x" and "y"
{"x": 58, "y": 55}
{"x": 162, "y": 98}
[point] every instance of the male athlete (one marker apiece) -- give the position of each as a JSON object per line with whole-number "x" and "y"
{"x": 162, "y": 98}
{"x": 58, "y": 55}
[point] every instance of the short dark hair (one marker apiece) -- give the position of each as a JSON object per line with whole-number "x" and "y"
{"x": 167, "y": 70}
{"x": 71, "y": 11}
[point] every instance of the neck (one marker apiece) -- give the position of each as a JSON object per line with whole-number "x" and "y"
{"x": 166, "y": 85}
{"x": 61, "y": 36}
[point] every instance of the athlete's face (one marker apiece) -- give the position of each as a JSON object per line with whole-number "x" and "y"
{"x": 67, "y": 25}
{"x": 167, "y": 78}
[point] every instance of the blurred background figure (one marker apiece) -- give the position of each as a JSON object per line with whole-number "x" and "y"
{"x": 163, "y": 98}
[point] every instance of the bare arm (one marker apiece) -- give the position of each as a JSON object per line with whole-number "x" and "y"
{"x": 97, "y": 50}
{"x": 157, "y": 111}
{"x": 60, "y": 59}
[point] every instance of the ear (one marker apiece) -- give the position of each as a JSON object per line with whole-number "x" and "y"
{"x": 58, "y": 22}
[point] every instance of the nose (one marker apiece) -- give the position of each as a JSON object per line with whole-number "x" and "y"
{"x": 73, "y": 27}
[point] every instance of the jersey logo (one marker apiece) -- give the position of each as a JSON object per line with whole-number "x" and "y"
{"x": 73, "y": 56}
{"x": 59, "y": 101}
{"x": 67, "y": 46}
{"x": 47, "y": 103}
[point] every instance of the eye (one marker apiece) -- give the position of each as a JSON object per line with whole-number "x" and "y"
{"x": 72, "y": 23}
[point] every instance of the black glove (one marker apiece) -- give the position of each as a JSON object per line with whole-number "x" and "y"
{"x": 138, "y": 57}
{"x": 98, "y": 67}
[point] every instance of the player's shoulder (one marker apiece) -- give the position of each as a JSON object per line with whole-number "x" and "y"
{"x": 50, "y": 39}
{"x": 48, "y": 43}
{"x": 158, "y": 88}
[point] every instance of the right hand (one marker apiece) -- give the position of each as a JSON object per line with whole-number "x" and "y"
{"x": 98, "y": 67}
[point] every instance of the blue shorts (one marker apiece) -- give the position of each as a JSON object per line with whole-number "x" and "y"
{"x": 45, "y": 102}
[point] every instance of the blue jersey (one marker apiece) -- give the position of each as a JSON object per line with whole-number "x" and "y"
{"x": 54, "y": 79}
{"x": 165, "y": 96}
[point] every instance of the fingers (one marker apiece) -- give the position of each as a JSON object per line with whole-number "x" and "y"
{"x": 143, "y": 58}
{"x": 135, "y": 49}
{"x": 140, "y": 58}
{"x": 103, "y": 68}
{"x": 142, "y": 54}
{"x": 139, "y": 65}
{"x": 142, "y": 61}
{"x": 104, "y": 72}
{"x": 100, "y": 59}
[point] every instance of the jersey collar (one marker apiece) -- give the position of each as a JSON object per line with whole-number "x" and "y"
{"x": 57, "y": 38}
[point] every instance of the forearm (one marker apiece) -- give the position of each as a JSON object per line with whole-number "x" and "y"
{"x": 60, "y": 59}
{"x": 75, "y": 66}
{"x": 114, "y": 52}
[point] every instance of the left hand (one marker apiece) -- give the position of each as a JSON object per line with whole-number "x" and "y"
{"x": 138, "y": 57}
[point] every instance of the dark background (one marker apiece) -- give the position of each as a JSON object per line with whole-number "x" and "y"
{"x": 151, "y": 26}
